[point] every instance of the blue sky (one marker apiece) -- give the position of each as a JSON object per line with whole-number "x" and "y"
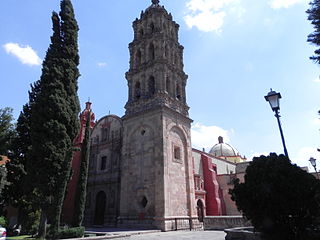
{"x": 235, "y": 51}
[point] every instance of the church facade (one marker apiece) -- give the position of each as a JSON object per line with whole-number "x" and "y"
{"x": 143, "y": 170}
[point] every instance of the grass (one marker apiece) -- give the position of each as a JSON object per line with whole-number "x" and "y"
{"x": 19, "y": 237}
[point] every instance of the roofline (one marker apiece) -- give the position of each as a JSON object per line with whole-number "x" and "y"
{"x": 211, "y": 156}
{"x": 110, "y": 115}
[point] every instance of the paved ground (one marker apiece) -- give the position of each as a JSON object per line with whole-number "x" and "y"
{"x": 129, "y": 234}
{"x": 200, "y": 235}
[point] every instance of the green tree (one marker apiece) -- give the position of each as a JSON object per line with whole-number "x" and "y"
{"x": 3, "y": 182}
{"x": 7, "y": 132}
{"x": 69, "y": 62}
{"x": 16, "y": 167}
{"x": 54, "y": 118}
{"x": 314, "y": 38}
{"x": 83, "y": 176}
{"x": 18, "y": 192}
{"x": 281, "y": 200}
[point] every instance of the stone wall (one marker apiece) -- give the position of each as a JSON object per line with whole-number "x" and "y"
{"x": 223, "y": 222}
{"x": 225, "y": 183}
{"x": 103, "y": 187}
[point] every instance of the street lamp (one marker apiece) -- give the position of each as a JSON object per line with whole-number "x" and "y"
{"x": 314, "y": 165}
{"x": 273, "y": 99}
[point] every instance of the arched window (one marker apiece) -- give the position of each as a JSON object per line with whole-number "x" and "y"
{"x": 178, "y": 93}
{"x": 137, "y": 90}
{"x": 138, "y": 58}
{"x": 177, "y": 153}
{"x": 105, "y": 132}
{"x": 152, "y": 86}
{"x": 103, "y": 163}
{"x": 164, "y": 26}
{"x": 200, "y": 210}
{"x": 167, "y": 52}
{"x": 141, "y": 33}
{"x": 151, "y": 27}
{"x": 151, "y": 52}
{"x": 168, "y": 85}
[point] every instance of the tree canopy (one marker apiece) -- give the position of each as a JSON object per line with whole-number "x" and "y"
{"x": 314, "y": 38}
{"x": 281, "y": 200}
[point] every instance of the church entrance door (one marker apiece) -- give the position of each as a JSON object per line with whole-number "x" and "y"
{"x": 200, "y": 210}
{"x": 100, "y": 208}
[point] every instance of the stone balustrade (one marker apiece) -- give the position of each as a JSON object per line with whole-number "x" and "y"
{"x": 223, "y": 222}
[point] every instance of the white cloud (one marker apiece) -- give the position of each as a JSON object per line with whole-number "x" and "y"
{"x": 303, "y": 156}
{"x": 203, "y": 5}
{"x": 257, "y": 154}
{"x": 102, "y": 64}
{"x": 209, "y": 15}
{"x": 238, "y": 11}
{"x": 276, "y": 4}
{"x": 202, "y": 21}
{"x": 206, "y": 136}
{"x": 25, "y": 54}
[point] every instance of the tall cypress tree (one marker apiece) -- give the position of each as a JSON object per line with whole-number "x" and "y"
{"x": 54, "y": 117}
{"x": 46, "y": 130}
{"x": 83, "y": 176}
{"x": 314, "y": 17}
{"x": 69, "y": 62}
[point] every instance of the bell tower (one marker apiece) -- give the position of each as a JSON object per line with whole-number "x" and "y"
{"x": 156, "y": 77}
{"x": 156, "y": 179}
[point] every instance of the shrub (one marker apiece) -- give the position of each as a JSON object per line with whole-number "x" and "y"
{"x": 76, "y": 232}
{"x": 3, "y": 221}
{"x": 30, "y": 223}
{"x": 281, "y": 200}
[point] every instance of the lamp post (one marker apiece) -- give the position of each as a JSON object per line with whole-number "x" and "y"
{"x": 314, "y": 165}
{"x": 273, "y": 99}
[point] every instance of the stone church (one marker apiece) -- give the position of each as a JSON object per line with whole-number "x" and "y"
{"x": 143, "y": 170}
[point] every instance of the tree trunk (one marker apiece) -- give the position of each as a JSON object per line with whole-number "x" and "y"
{"x": 42, "y": 231}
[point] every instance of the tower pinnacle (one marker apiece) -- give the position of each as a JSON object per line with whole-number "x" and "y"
{"x": 155, "y": 2}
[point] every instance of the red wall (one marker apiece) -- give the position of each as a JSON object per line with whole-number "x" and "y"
{"x": 68, "y": 205}
{"x": 213, "y": 200}
{"x": 69, "y": 202}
